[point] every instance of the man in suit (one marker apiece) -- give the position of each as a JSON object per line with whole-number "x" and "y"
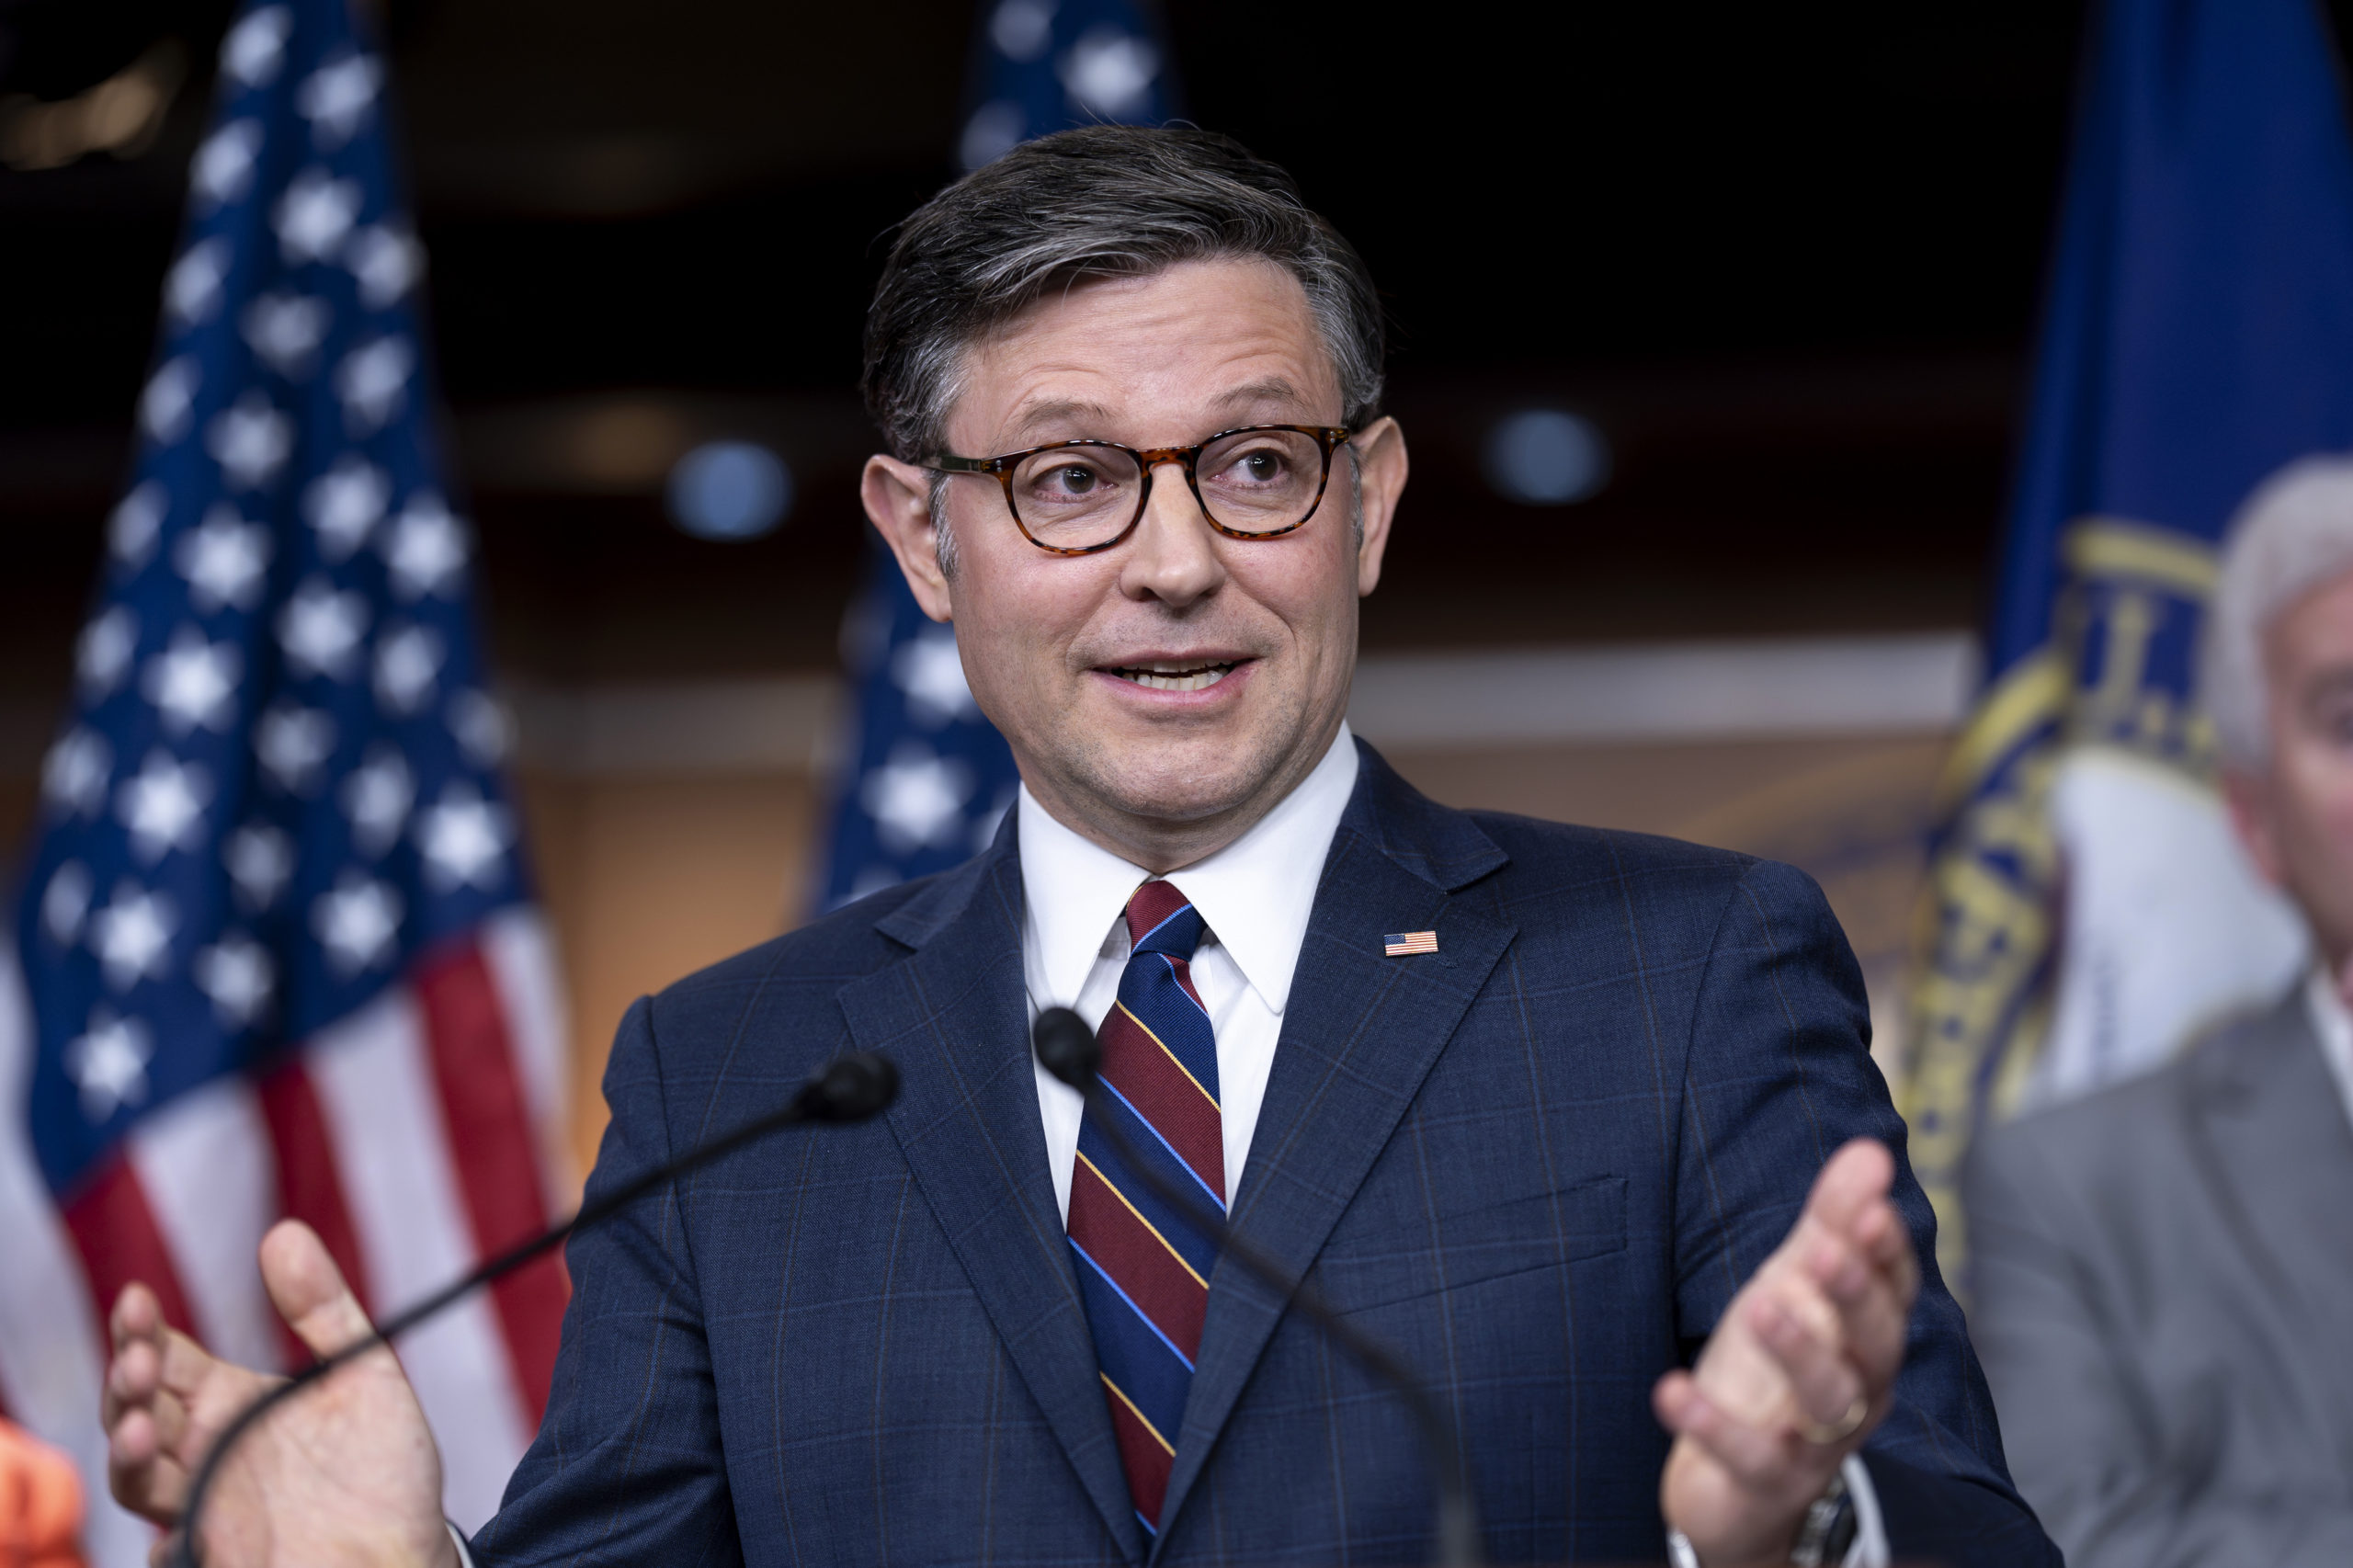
{"x": 2163, "y": 1271}
{"x": 1581, "y": 1123}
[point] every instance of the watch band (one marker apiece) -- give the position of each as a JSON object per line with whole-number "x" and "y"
{"x": 1824, "y": 1536}
{"x": 1828, "y": 1529}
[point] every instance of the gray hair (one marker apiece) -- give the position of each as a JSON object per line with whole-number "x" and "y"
{"x": 2293, "y": 535}
{"x": 1099, "y": 202}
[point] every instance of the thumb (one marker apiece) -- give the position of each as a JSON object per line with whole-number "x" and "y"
{"x": 308, "y": 1288}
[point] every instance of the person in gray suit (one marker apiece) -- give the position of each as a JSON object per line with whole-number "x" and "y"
{"x": 2163, "y": 1271}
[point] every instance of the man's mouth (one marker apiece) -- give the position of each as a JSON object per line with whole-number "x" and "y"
{"x": 1169, "y": 675}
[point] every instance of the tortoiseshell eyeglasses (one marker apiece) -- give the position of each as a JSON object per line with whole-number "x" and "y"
{"x": 1077, "y": 497}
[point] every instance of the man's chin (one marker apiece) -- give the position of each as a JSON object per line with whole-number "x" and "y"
{"x": 1182, "y": 769}
{"x": 1157, "y": 797}
{"x": 1193, "y": 780}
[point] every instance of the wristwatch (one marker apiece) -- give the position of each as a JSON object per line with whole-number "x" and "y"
{"x": 1824, "y": 1537}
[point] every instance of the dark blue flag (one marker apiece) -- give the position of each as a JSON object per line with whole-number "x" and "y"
{"x": 2198, "y": 335}
{"x": 273, "y": 935}
{"x": 927, "y": 778}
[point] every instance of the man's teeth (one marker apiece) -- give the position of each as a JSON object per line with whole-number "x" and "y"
{"x": 1194, "y": 678}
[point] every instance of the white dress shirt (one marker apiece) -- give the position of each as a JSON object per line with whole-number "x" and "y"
{"x": 2325, "y": 1004}
{"x": 1254, "y": 897}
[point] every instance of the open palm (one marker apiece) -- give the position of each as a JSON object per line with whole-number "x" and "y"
{"x": 345, "y": 1474}
{"x": 1798, "y": 1372}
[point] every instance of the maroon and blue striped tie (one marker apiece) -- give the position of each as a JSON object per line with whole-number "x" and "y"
{"x": 1144, "y": 1269}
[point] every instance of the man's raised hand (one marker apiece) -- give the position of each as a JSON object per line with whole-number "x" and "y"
{"x": 346, "y": 1474}
{"x": 1798, "y": 1374}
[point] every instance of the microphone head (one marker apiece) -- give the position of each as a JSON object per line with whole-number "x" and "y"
{"x": 1066, "y": 1047}
{"x": 851, "y": 1087}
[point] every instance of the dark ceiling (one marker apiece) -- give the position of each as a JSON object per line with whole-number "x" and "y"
{"x": 690, "y": 193}
{"x": 1787, "y": 257}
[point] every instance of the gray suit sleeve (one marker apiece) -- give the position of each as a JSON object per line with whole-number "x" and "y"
{"x": 2075, "y": 1420}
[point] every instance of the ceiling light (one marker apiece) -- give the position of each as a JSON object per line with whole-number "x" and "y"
{"x": 1547, "y": 457}
{"x": 730, "y": 489}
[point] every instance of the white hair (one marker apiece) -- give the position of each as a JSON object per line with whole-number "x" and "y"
{"x": 2293, "y": 535}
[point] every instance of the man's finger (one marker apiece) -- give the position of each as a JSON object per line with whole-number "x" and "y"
{"x": 142, "y": 1476}
{"x": 170, "y": 1414}
{"x": 1883, "y": 1235}
{"x": 132, "y": 1327}
{"x": 131, "y": 1442}
{"x": 309, "y": 1290}
{"x": 1824, "y": 1384}
{"x": 184, "y": 1365}
{"x": 132, "y": 1379}
{"x": 136, "y": 1315}
{"x": 1879, "y": 1235}
{"x": 1873, "y": 1298}
{"x": 1857, "y": 1174}
{"x": 1837, "y": 1267}
{"x": 1753, "y": 1456}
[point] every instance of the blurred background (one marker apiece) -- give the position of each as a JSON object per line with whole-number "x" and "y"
{"x": 1710, "y": 336}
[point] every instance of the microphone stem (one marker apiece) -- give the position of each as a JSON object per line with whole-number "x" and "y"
{"x": 1458, "y": 1513}
{"x": 191, "y": 1555}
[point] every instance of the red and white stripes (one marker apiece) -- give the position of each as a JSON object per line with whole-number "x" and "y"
{"x": 417, "y": 1136}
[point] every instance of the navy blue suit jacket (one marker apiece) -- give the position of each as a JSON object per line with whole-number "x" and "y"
{"x": 1538, "y": 1162}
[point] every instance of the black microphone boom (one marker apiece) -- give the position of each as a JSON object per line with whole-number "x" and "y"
{"x": 851, "y": 1087}
{"x": 1068, "y": 1049}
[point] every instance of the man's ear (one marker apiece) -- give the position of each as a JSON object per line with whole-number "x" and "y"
{"x": 1380, "y": 471}
{"x": 898, "y": 503}
{"x": 2248, "y": 796}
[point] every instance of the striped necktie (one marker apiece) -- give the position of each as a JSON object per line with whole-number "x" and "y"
{"x": 1143, "y": 1268}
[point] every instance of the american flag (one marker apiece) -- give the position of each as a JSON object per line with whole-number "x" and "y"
{"x": 926, "y": 779}
{"x": 274, "y": 953}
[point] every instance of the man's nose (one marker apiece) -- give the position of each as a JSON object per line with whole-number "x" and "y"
{"x": 1172, "y": 556}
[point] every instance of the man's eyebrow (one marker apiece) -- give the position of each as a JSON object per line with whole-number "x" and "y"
{"x": 1273, "y": 389}
{"x": 1053, "y": 411}
{"x": 1062, "y": 410}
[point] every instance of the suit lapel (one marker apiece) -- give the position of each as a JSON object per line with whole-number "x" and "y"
{"x": 1359, "y": 1034}
{"x": 954, "y": 1017}
{"x": 2282, "y": 1164}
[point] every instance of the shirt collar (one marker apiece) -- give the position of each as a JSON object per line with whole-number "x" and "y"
{"x": 2331, "y": 1021}
{"x": 1255, "y": 894}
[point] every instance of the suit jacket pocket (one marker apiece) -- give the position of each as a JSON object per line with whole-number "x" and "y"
{"x": 1515, "y": 1235}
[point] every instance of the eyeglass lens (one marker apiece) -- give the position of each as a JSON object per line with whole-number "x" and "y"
{"x": 1250, "y": 481}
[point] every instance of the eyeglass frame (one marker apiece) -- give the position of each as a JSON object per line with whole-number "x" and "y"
{"x": 1329, "y": 437}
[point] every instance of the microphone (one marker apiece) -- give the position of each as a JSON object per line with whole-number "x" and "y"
{"x": 851, "y": 1087}
{"x": 1068, "y": 1049}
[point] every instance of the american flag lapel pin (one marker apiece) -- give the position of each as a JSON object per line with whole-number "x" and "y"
{"x": 1397, "y": 944}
